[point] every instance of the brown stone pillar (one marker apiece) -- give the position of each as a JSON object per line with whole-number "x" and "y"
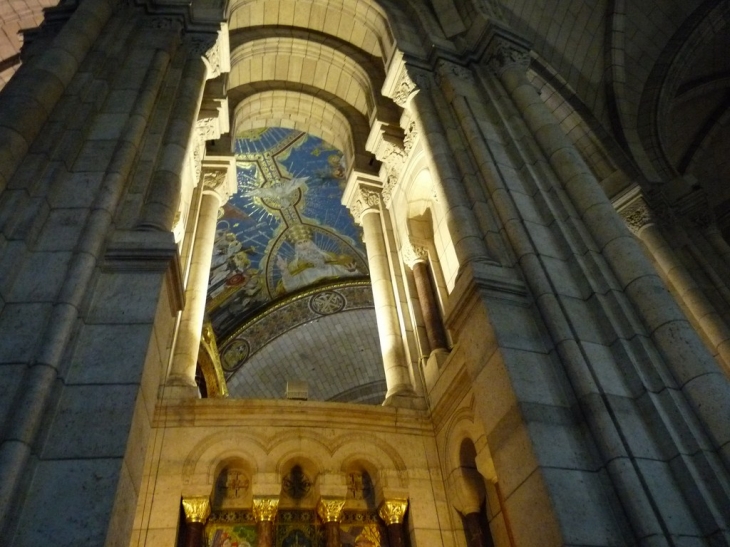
{"x": 330, "y": 511}
{"x": 264, "y": 509}
{"x": 393, "y": 512}
{"x": 417, "y": 259}
{"x": 197, "y": 511}
{"x": 476, "y": 536}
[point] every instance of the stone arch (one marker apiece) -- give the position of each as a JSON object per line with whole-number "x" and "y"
{"x": 202, "y": 461}
{"x": 363, "y": 24}
{"x": 303, "y": 62}
{"x": 285, "y": 108}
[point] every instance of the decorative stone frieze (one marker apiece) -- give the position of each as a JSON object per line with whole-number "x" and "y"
{"x": 393, "y": 511}
{"x": 197, "y": 509}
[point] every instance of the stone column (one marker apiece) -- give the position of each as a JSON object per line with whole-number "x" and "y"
{"x": 413, "y": 92}
{"x": 197, "y": 511}
{"x": 393, "y": 512}
{"x": 219, "y": 181}
{"x": 643, "y": 223}
{"x": 264, "y": 510}
{"x": 366, "y": 207}
{"x": 330, "y": 511}
{"x": 691, "y": 365}
{"x": 475, "y": 534}
{"x": 416, "y": 258}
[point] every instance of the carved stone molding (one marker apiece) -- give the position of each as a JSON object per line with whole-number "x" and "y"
{"x": 413, "y": 254}
{"x": 393, "y": 157}
{"x": 197, "y": 509}
{"x": 330, "y": 509}
{"x": 393, "y": 511}
{"x": 264, "y": 509}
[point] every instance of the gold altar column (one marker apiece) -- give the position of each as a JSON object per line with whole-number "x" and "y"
{"x": 366, "y": 208}
{"x": 219, "y": 181}
{"x": 416, "y": 258}
{"x": 393, "y": 512}
{"x": 330, "y": 511}
{"x": 264, "y": 510}
{"x": 197, "y": 511}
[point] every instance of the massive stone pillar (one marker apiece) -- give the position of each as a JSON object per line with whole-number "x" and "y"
{"x": 88, "y": 340}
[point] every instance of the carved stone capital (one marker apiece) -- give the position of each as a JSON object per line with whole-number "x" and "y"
{"x": 213, "y": 49}
{"x": 393, "y": 511}
{"x": 413, "y": 254}
{"x": 264, "y": 509}
{"x": 504, "y": 55}
{"x": 637, "y": 215}
{"x": 330, "y": 509}
{"x": 447, "y": 70}
{"x": 219, "y": 176}
{"x": 368, "y": 200}
{"x": 197, "y": 509}
{"x": 411, "y": 80}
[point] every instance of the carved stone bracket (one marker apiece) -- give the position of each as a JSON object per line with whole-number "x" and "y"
{"x": 197, "y": 509}
{"x": 330, "y": 509}
{"x": 393, "y": 511}
{"x": 264, "y": 509}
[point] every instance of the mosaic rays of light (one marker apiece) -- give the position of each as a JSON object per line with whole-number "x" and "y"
{"x": 285, "y": 229}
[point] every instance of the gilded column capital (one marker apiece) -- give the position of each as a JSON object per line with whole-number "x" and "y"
{"x": 264, "y": 509}
{"x": 413, "y": 254}
{"x": 393, "y": 511}
{"x": 330, "y": 509}
{"x": 197, "y": 509}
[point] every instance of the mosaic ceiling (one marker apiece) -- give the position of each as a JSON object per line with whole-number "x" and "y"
{"x": 285, "y": 229}
{"x": 289, "y": 295}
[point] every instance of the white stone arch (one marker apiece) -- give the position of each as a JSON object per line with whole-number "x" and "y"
{"x": 291, "y": 109}
{"x": 298, "y": 61}
{"x": 200, "y": 466}
{"x": 363, "y": 23}
{"x": 465, "y": 483}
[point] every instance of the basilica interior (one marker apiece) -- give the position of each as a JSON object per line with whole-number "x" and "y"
{"x": 364, "y": 273}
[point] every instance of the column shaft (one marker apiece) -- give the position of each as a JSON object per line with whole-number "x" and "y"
{"x": 396, "y": 371}
{"x": 163, "y": 195}
{"x": 697, "y": 303}
{"x": 191, "y": 323}
{"x": 396, "y": 535}
{"x": 194, "y": 534}
{"x": 476, "y": 536}
{"x": 265, "y": 533}
{"x": 332, "y": 534}
{"x": 468, "y": 240}
{"x": 690, "y": 363}
{"x": 429, "y": 307}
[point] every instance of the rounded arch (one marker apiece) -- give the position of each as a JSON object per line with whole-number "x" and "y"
{"x": 202, "y": 460}
{"x": 363, "y": 24}
{"x": 295, "y": 110}
{"x": 303, "y": 62}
